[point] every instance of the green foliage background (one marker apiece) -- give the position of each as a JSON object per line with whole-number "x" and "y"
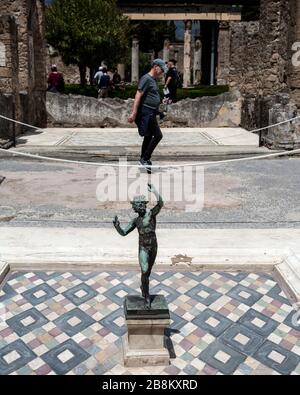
{"x": 85, "y": 32}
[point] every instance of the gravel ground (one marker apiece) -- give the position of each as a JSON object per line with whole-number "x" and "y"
{"x": 254, "y": 194}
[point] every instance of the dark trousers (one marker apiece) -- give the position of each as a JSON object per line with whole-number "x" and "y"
{"x": 149, "y": 129}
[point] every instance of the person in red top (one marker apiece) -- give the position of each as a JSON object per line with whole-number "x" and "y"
{"x": 55, "y": 81}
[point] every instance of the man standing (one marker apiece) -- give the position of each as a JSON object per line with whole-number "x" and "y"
{"x": 55, "y": 80}
{"x": 145, "y": 109}
{"x": 98, "y": 75}
{"x": 104, "y": 84}
{"x": 171, "y": 81}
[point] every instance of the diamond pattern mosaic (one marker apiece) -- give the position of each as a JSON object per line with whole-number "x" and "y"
{"x": 221, "y": 323}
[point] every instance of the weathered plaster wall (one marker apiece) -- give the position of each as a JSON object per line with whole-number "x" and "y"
{"x": 70, "y": 110}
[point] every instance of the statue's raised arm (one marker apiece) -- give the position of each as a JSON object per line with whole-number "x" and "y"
{"x": 156, "y": 209}
{"x": 129, "y": 228}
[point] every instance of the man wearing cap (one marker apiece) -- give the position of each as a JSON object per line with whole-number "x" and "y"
{"x": 98, "y": 75}
{"x": 145, "y": 109}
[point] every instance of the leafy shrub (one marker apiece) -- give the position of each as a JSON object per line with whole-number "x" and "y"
{"x": 130, "y": 90}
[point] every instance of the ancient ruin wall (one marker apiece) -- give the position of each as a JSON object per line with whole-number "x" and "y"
{"x": 9, "y": 82}
{"x": 260, "y": 67}
{"x": 26, "y": 86}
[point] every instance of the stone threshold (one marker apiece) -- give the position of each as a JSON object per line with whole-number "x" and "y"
{"x": 87, "y": 249}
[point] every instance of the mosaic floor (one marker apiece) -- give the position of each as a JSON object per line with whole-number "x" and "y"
{"x": 72, "y": 323}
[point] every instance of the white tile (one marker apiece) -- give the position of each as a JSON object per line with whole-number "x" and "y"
{"x": 29, "y": 275}
{"x": 78, "y": 337}
{"x": 39, "y": 293}
{"x": 121, "y": 293}
{"x": 61, "y": 338}
{"x": 97, "y": 316}
{"x": 65, "y": 356}
{"x": 47, "y": 327}
{"x": 208, "y": 338}
{"x": 42, "y": 349}
{"x": 195, "y": 351}
{"x": 74, "y": 321}
{"x": 222, "y": 356}
{"x": 58, "y": 298}
{"x": 203, "y": 294}
{"x": 275, "y": 338}
{"x": 244, "y": 294}
{"x": 39, "y": 282}
{"x": 278, "y": 317}
{"x": 36, "y": 363}
{"x": 27, "y": 321}
{"x": 296, "y": 350}
{"x": 242, "y": 339}
{"x": 198, "y": 364}
{"x": 212, "y": 322}
{"x": 81, "y": 293}
{"x": 178, "y": 275}
{"x": 258, "y": 322}
{"x": 28, "y": 337}
{"x": 119, "y": 321}
{"x": 276, "y": 356}
{"x": 11, "y": 357}
{"x": 52, "y": 316}
{"x": 253, "y": 276}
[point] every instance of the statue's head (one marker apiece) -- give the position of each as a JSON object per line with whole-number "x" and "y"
{"x": 139, "y": 204}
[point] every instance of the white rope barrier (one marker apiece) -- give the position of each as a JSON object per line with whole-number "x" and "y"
{"x": 208, "y": 163}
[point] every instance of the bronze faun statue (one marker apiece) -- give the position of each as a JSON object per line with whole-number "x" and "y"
{"x": 146, "y": 225}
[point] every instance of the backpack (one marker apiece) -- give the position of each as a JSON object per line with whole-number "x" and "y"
{"x": 178, "y": 80}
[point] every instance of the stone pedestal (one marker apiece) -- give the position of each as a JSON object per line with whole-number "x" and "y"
{"x": 144, "y": 342}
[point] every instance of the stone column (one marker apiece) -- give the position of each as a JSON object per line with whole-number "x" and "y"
{"x": 212, "y": 54}
{"x": 197, "y": 61}
{"x": 223, "y": 53}
{"x": 187, "y": 54}
{"x": 121, "y": 70}
{"x": 135, "y": 59}
{"x": 166, "y": 50}
{"x": 9, "y": 77}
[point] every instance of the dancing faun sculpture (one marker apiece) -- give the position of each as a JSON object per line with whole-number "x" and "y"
{"x": 146, "y": 225}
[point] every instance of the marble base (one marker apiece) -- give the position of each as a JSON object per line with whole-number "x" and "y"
{"x": 143, "y": 344}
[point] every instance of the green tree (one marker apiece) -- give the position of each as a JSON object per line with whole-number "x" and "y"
{"x": 87, "y": 31}
{"x": 151, "y": 34}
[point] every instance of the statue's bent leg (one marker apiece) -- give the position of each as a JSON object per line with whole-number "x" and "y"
{"x": 152, "y": 257}
{"x": 144, "y": 263}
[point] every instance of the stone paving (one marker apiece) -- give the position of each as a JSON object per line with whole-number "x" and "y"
{"x": 129, "y": 136}
{"x": 72, "y": 323}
